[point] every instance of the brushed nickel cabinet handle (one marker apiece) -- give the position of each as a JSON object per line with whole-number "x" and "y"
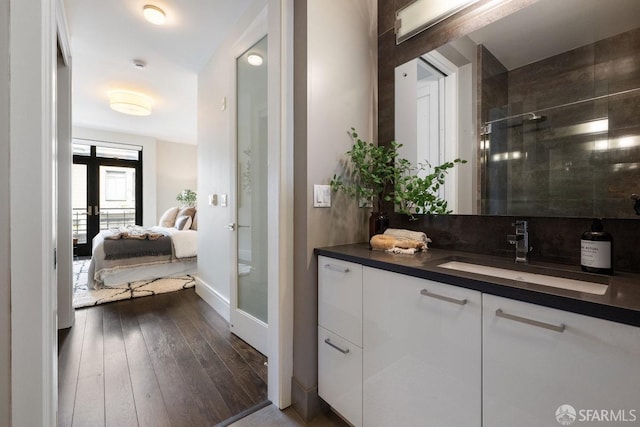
{"x": 532, "y": 322}
{"x": 443, "y": 298}
{"x": 336, "y": 268}
{"x": 343, "y": 351}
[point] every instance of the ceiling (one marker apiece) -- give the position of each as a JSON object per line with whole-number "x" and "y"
{"x": 549, "y": 27}
{"x": 106, "y": 36}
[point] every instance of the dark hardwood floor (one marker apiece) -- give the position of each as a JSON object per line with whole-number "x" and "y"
{"x": 165, "y": 360}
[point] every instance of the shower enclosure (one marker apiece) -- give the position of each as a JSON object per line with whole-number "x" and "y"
{"x": 561, "y": 136}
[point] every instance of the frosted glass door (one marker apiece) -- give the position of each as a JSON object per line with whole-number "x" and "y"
{"x": 249, "y": 317}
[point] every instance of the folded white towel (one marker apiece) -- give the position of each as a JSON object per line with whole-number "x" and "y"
{"x": 407, "y": 234}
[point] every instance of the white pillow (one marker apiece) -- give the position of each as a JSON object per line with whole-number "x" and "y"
{"x": 183, "y": 222}
{"x": 168, "y": 218}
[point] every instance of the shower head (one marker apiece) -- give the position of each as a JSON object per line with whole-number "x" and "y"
{"x": 536, "y": 118}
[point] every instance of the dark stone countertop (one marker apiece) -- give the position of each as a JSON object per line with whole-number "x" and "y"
{"x": 620, "y": 303}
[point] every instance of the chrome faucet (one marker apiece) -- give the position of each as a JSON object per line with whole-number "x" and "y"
{"x": 520, "y": 240}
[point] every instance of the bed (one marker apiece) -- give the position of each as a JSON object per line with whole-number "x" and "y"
{"x": 134, "y": 253}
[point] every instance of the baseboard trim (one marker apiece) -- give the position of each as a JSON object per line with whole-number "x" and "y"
{"x": 212, "y": 297}
{"x": 305, "y": 401}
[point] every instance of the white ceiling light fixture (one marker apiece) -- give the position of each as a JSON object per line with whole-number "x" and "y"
{"x": 254, "y": 59}
{"x": 130, "y": 102}
{"x": 154, "y": 14}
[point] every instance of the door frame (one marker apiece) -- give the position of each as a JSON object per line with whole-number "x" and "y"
{"x": 33, "y": 65}
{"x": 280, "y": 207}
{"x": 34, "y": 346}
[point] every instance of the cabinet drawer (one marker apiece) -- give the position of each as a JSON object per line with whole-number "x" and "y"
{"x": 340, "y": 298}
{"x": 340, "y": 375}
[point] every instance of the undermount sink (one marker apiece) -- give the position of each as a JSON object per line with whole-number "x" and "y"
{"x": 590, "y": 286}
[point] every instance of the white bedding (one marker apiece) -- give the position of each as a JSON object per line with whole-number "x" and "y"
{"x": 185, "y": 242}
{"x": 114, "y": 273}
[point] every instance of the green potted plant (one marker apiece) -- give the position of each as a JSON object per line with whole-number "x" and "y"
{"x": 187, "y": 198}
{"x": 370, "y": 175}
{"x": 376, "y": 174}
{"x": 417, "y": 192}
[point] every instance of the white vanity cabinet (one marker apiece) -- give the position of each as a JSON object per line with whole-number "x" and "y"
{"x": 396, "y": 350}
{"x": 536, "y": 359}
{"x": 422, "y": 352}
{"x": 340, "y": 336}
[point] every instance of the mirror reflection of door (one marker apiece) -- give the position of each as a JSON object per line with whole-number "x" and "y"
{"x": 249, "y": 298}
{"x": 106, "y": 190}
{"x": 430, "y": 115}
{"x": 427, "y": 121}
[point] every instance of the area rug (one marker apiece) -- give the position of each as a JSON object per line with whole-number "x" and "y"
{"x": 85, "y": 297}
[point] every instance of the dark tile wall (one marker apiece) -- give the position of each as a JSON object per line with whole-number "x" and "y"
{"x": 553, "y": 239}
{"x": 562, "y": 174}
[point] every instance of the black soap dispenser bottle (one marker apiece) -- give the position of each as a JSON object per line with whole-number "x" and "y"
{"x": 596, "y": 249}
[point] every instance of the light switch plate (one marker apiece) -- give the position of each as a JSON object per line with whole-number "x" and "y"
{"x": 223, "y": 200}
{"x": 321, "y": 196}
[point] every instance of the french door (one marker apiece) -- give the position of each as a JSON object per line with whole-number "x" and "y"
{"x": 106, "y": 190}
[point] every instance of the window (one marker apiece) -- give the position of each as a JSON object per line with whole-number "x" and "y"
{"x": 115, "y": 186}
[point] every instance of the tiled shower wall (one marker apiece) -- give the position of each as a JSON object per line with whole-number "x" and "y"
{"x": 553, "y": 239}
{"x": 582, "y": 158}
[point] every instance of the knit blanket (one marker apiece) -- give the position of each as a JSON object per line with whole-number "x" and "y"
{"x": 133, "y": 232}
{"x": 132, "y": 242}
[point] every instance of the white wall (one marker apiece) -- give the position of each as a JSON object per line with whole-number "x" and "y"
{"x": 216, "y": 136}
{"x": 176, "y": 170}
{"x": 335, "y": 89}
{"x": 5, "y": 277}
{"x": 341, "y": 93}
{"x": 149, "y": 206}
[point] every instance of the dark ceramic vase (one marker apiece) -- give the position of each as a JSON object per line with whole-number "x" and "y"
{"x": 378, "y": 222}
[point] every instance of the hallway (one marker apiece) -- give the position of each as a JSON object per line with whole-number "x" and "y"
{"x": 166, "y": 360}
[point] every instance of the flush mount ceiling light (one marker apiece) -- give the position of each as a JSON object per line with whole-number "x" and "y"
{"x": 129, "y": 102}
{"x": 254, "y": 59}
{"x": 154, "y": 14}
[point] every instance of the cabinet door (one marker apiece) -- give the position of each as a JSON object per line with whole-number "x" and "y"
{"x": 421, "y": 352}
{"x": 530, "y": 369}
{"x": 340, "y": 298}
{"x": 340, "y": 375}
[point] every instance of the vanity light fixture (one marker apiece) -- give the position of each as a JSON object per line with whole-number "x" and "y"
{"x": 419, "y": 15}
{"x": 254, "y": 59}
{"x": 154, "y": 14}
{"x": 129, "y": 102}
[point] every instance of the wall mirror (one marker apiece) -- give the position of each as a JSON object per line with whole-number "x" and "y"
{"x": 544, "y": 104}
